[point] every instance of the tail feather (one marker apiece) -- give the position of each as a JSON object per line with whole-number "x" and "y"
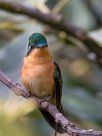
{"x": 51, "y": 121}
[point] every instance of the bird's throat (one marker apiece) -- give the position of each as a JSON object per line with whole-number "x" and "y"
{"x": 39, "y": 56}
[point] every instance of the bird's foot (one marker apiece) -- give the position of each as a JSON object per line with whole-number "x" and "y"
{"x": 45, "y": 99}
{"x": 28, "y": 95}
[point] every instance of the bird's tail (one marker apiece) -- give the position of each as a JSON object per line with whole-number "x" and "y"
{"x": 51, "y": 121}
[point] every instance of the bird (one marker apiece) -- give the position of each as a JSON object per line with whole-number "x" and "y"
{"x": 41, "y": 76}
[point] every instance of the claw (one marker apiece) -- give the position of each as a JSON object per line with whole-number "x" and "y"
{"x": 46, "y": 99}
{"x": 28, "y": 95}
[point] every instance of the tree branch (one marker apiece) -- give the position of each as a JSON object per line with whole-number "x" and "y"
{"x": 56, "y": 22}
{"x": 65, "y": 124}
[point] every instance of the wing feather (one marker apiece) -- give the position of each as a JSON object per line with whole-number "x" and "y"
{"x": 58, "y": 87}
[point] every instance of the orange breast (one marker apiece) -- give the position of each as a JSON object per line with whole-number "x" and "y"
{"x": 37, "y": 75}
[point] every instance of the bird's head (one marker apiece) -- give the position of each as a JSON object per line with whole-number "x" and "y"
{"x": 36, "y": 40}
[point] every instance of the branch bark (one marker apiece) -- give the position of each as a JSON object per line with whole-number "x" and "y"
{"x": 57, "y": 22}
{"x": 67, "y": 126}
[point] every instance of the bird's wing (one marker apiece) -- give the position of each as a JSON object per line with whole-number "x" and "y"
{"x": 57, "y": 94}
{"x": 58, "y": 87}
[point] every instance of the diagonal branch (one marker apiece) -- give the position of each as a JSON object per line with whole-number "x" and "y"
{"x": 65, "y": 124}
{"x": 57, "y": 22}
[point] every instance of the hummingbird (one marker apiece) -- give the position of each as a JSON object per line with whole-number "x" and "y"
{"x": 41, "y": 75}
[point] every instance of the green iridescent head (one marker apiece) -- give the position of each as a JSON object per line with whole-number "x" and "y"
{"x": 37, "y": 40}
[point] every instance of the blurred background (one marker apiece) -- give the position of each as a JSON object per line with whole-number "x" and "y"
{"x": 82, "y": 76}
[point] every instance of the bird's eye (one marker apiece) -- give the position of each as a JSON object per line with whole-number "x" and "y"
{"x": 29, "y": 47}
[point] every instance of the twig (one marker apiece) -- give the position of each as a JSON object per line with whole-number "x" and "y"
{"x": 56, "y": 22}
{"x": 65, "y": 124}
